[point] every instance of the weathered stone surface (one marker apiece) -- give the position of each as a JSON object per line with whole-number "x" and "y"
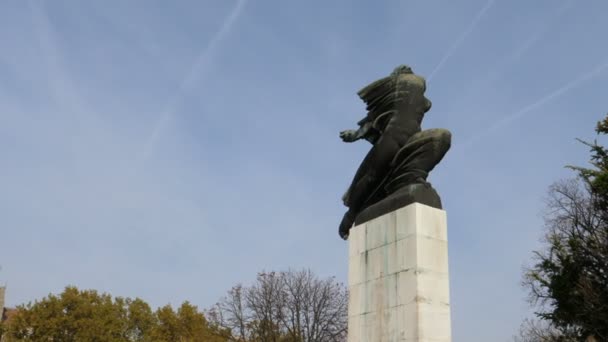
{"x": 398, "y": 277}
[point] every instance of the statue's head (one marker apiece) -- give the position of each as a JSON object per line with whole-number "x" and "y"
{"x": 402, "y": 69}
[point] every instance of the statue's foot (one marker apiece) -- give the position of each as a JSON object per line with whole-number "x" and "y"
{"x": 346, "y": 224}
{"x": 422, "y": 193}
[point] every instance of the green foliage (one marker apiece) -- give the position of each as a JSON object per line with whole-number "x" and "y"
{"x": 185, "y": 325}
{"x": 279, "y": 307}
{"x": 597, "y": 177}
{"x": 86, "y": 315}
{"x": 569, "y": 281}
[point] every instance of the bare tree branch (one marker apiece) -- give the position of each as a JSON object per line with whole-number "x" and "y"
{"x": 290, "y": 306}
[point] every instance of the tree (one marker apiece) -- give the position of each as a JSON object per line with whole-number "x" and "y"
{"x": 569, "y": 279}
{"x": 86, "y": 315}
{"x": 541, "y": 331}
{"x": 185, "y": 325}
{"x": 72, "y": 316}
{"x": 291, "y": 306}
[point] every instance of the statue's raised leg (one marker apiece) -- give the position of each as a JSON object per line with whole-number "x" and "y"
{"x": 406, "y": 182}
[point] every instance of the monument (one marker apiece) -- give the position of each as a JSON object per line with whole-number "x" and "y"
{"x": 395, "y": 225}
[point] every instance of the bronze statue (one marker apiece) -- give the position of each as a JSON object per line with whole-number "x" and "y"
{"x": 394, "y": 172}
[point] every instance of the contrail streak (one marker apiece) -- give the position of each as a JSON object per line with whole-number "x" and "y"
{"x": 527, "y": 44}
{"x": 195, "y": 72}
{"x": 460, "y": 39}
{"x": 543, "y": 100}
{"x": 62, "y": 85}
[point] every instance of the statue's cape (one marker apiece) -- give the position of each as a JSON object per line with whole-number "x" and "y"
{"x": 383, "y": 96}
{"x": 380, "y": 97}
{"x": 379, "y": 94}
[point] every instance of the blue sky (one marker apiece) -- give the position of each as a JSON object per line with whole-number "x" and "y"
{"x": 169, "y": 150}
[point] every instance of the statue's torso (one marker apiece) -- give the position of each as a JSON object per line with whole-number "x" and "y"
{"x": 408, "y": 109}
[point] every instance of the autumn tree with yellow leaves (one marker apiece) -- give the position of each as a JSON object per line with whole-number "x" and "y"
{"x": 86, "y": 315}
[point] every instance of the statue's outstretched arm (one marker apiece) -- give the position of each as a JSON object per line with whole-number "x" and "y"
{"x": 351, "y": 135}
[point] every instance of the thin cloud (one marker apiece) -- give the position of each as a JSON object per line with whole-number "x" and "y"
{"x": 537, "y": 35}
{"x": 529, "y": 43}
{"x": 543, "y": 100}
{"x": 460, "y": 39}
{"x": 196, "y": 71}
{"x": 60, "y": 83}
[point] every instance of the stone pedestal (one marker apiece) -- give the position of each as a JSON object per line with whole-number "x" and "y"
{"x": 398, "y": 277}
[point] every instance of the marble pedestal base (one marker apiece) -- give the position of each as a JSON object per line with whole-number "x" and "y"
{"x": 398, "y": 277}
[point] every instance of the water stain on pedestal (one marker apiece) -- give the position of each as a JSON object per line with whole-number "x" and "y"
{"x": 398, "y": 277}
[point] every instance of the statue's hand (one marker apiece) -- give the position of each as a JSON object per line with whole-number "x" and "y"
{"x": 349, "y": 135}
